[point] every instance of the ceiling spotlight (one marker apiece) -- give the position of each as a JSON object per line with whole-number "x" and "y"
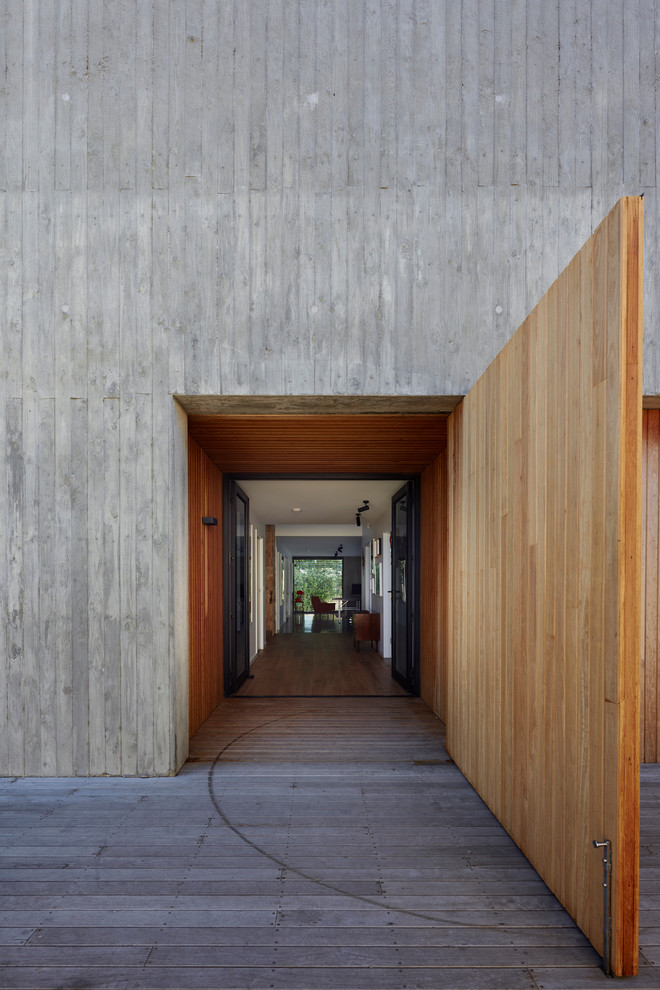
{"x": 339, "y": 549}
{"x": 296, "y": 509}
{"x": 362, "y": 508}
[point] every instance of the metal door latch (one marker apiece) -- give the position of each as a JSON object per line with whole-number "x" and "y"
{"x": 606, "y": 846}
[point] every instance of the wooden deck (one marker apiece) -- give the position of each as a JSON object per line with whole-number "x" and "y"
{"x": 308, "y": 843}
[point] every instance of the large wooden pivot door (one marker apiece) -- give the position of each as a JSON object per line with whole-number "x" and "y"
{"x": 544, "y": 460}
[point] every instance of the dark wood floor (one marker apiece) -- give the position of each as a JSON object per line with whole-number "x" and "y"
{"x": 315, "y": 657}
{"x": 308, "y": 843}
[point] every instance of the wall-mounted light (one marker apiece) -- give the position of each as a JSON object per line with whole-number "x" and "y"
{"x": 209, "y": 521}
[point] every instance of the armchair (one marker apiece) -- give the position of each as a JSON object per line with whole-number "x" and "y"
{"x": 322, "y": 608}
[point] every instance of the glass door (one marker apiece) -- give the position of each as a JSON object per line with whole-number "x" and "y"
{"x": 237, "y": 603}
{"x": 405, "y": 666}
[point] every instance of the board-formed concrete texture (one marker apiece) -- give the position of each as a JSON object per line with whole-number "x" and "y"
{"x": 337, "y": 197}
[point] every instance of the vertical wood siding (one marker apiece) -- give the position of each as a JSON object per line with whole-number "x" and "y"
{"x": 650, "y": 680}
{"x": 545, "y": 494}
{"x": 434, "y": 586}
{"x": 287, "y": 198}
{"x": 205, "y": 584}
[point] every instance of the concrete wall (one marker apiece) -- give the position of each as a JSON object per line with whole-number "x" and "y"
{"x": 317, "y": 197}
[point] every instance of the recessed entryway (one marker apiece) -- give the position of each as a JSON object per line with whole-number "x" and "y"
{"x": 341, "y": 437}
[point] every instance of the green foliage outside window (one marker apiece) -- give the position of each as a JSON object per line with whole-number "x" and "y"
{"x": 317, "y": 576}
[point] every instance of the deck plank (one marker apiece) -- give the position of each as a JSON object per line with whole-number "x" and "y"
{"x": 316, "y": 843}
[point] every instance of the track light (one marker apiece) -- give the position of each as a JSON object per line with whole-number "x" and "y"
{"x": 362, "y": 508}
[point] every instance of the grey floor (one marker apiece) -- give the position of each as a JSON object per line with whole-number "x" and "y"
{"x": 308, "y": 843}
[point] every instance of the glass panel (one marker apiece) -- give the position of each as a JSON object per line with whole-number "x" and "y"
{"x": 240, "y": 556}
{"x": 237, "y": 588}
{"x": 400, "y": 561}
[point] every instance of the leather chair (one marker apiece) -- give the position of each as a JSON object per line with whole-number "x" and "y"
{"x": 322, "y": 608}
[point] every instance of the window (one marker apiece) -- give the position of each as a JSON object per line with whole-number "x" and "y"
{"x": 322, "y": 576}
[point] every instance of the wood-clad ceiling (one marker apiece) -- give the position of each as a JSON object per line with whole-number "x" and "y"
{"x": 321, "y": 444}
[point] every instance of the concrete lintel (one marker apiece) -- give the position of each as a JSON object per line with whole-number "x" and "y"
{"x": 325, "y": 405}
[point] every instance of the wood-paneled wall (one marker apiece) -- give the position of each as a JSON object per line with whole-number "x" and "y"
{"x": 650, "y": 681}
{"x": 545, "y": 515}
{"x": 434, "y": 586}
{"x": 205, "y": 582}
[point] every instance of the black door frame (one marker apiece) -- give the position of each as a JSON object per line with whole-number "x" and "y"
{"x": 412, "y": 480}
{"x": 411, "y": 679}
{"x": 236, "y": 669}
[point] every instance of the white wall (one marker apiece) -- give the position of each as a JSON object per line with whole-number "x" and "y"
{"x": 257, "y": 591}
{"x": 284, "y": 586}
{"x": 382, "y": 603}
{"x": 385, "y": 645}
{"x": 309, "y": 198}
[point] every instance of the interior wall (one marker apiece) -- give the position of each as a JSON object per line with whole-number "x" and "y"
{"x": 284, "y": 588}
{"x": 434, "y": 583}
{"x": 205, "y": 587}
{"x": 650, "y": 681}
{"x": 270, "y": 581}
{"x": 366, "y": 576}
{"x": 352, "y": 574}
{"x": 380, "y": 528}
{"x": 544, "y": 461}
{"x": 257, "y": 530}
{"x": 260, "y": 597}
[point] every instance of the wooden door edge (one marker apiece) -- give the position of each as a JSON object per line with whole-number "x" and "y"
{"x": 625, "y": 948}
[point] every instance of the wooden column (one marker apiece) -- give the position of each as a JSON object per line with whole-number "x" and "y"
{"x": 205, "y": 586}
{"x": 434, "y": 584}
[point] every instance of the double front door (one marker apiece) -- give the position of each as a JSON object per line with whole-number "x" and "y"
{"x": 405, "y": 588}
{"x": 237, "y": 600}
